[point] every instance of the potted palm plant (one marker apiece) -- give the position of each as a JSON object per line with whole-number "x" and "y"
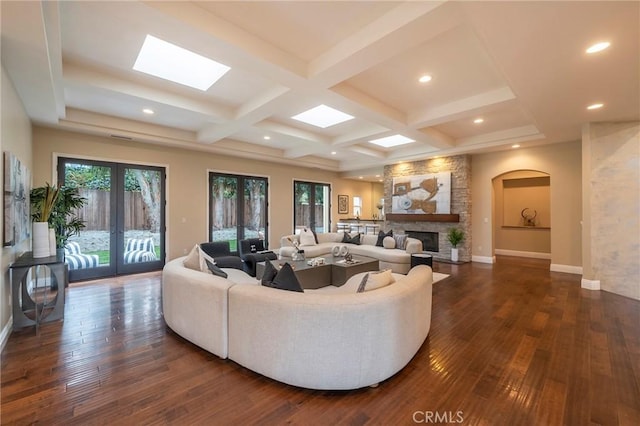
{"x": 455, "y": 237}
{"x": 62, "y": 214}
{"x": 43, "y": 200}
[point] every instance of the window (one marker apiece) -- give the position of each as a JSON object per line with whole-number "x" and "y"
{"x": 311, "y": 206}
{"x": 237, "y": 208}
{"x": 357, "y": 206}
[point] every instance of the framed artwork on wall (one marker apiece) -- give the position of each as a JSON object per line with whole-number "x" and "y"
{"x": 422, "y": 194}
{"x": 343, "y": 204}
{"x": 17, "y": 181}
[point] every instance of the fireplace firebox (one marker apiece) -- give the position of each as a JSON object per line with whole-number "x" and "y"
{"x": 430, "y": 240}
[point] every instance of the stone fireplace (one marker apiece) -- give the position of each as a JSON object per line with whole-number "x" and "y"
{"x": 436, "y": 226}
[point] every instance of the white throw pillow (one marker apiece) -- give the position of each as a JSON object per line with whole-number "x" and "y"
{"x": 375, "y": 280}
{"x": 389, "y": 242}
{"x": 197, "y": 260}
{"x": 192, "y": 261}
{"x": 307, "y": 238}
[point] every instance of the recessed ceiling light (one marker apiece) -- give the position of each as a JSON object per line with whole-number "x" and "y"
{"x": 266, "y": 138}
{"x": 478, "y": 120}
{"x": 425, "y": 78}
{"x": 515, "y": 146}
{"x": 390, "y": 141}
{"x": 377, "y": 175}
{"x": 379, "y": 180}
{"x": 148, "y": 111}
{"x": 333, "y": 152}
{"x": 598, "y": 47}
{"x": 165, "y": 60}
{"x": 322, "y": 116}
{"x": 595, "y": 106}
{"x": 359, "y": 177}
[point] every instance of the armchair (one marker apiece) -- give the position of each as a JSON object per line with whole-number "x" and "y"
{"x": 221, "y": 253}
{"x": 251, "y": 252}
{"x": 76, "y": 260}
{"x": 139, "y": 250}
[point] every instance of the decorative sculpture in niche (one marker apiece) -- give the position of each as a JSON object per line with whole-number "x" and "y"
{"x": 528, "y": 219}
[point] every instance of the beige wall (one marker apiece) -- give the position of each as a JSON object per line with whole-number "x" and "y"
{"x": 611, "y": 205}
{"x": 187, "y": 181}
{"x": 15, "y": 137}
{"x": 509, "y": 202}
{"x": 563, "y": 163}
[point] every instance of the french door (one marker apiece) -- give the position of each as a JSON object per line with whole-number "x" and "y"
{"x": 312, "y": 206}
{"x": 237, "y": 208}
{"x": 124, "y": 217}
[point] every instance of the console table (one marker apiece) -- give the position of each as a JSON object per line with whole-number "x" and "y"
{"x": 37, "y": 297}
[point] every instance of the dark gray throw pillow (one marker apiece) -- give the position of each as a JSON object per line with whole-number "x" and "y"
{"x": 355, "y": 240}
{"x": 215, "y": 270}
{"x": 286, "y": 279}
{"x": 381, "y": 237}
{"x": 346, "y": 237}
{"x": 269, "y": 274}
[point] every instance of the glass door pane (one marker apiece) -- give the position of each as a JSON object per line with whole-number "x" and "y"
{"x": 321, "y": 209}
{"x": 255, "y": 209}
{"x": 302, "y": 211}
{"x": 89, "y": 252}
{"x": 142, "y": 216}
{"x": 223, "y": 208}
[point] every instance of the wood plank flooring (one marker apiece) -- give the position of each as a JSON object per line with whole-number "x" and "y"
{"x": 510, "y": 344}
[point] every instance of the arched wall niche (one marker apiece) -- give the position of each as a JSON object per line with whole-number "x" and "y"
{"x": 521, "y": 209}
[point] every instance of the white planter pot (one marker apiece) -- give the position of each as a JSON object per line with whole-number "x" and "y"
{"x": 52, "y": 242}
{"x": 454, "y": 254}
{"x": 40, "y": 239}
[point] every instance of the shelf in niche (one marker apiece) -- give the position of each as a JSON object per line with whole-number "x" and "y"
{"x": 525, "y": 227}
{"x": 395, "y": 217}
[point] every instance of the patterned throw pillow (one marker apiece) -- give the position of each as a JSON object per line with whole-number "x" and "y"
{"x": 401, "y": 241}
{"x": 374, "y": 280}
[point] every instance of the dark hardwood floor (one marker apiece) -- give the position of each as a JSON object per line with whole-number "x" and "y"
{"x": 510, "y": 344}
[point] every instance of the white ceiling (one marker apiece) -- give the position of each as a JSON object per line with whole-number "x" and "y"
{"x": 521, "y": 66}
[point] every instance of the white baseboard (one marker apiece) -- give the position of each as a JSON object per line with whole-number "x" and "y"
{"x": 569, "y": 269}
{"x": 517, "y": 253}
{"x": 6, "y": 332}
{"x": 590, "y": 284}
{"x": 483, "y": 259}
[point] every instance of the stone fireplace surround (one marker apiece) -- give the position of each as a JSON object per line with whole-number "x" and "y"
{"x": 460, "y": 168}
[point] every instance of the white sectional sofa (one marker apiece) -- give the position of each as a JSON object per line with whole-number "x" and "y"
{"x": 331, "y": 338}
{"x": 195, "y": 304}
{"x": 396, "y": 259}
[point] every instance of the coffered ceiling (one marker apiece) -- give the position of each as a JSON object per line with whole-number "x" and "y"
{"x": 519, "y": 66}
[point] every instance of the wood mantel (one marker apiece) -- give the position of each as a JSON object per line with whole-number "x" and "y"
{"x": 422, "y": 217}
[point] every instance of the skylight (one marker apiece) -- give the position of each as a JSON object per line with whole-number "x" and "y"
{"x": 170, "y": 62}
{"x": 323, "y": 116}
{"x": 391, "y": 141}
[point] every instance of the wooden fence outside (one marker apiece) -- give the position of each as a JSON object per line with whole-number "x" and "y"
{"x": 96, "y": 211}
